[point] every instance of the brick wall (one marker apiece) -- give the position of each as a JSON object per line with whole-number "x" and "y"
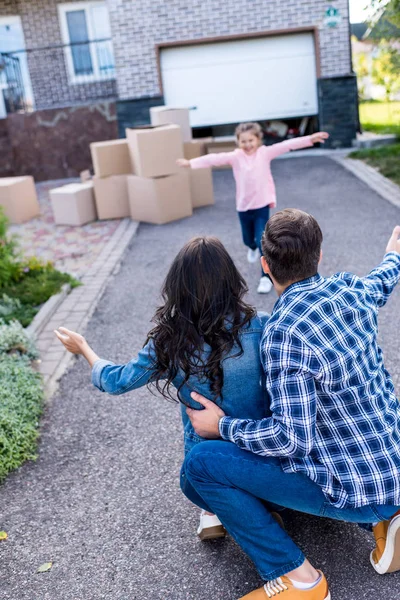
{"x": 6, "y": 154}
{"x": 338, "y": 110}
{"x": 53, "y": 144}
{"x": 138, "y": 26}
{"x": 48, "y": 72}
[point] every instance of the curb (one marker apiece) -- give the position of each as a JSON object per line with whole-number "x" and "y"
{"x": 380, "y": 184}
{"x": 48, "y": 309}
{"x": 75, "y": 309}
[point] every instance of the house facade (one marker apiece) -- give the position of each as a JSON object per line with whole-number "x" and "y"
{"x": 244, "y": 60}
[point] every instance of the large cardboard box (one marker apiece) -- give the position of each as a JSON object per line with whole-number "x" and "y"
{"x": 111, "y": 158}
{"x": 196, "y": 148}
{"x": 162, "y": 115}
{"x": 18, "y": 198}
{"x": 201, "y": 187}
{"x": 155, "y": 150}
{"x": 160, "y": 199}
{"x": 111, "y": 195}
{"x": 73, "y": 204}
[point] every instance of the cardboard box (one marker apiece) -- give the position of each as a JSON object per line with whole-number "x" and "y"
{"x": 111, "y": 158}
{"x": 162, "y": 115}
{"x": 155, "y": 150}
{"x": 73, "y": 204}
{"x": 201, "y": 187}
{"x": 161, "y": 199}
{"x": 111, "y": 196}
{"x": 19, "y": 199}
{"x": 196, "y": 148}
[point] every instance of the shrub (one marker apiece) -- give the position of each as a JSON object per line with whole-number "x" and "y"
{"x": 21, "y": 398}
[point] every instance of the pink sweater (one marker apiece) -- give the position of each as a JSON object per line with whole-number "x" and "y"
{"x": 255, "y": 186}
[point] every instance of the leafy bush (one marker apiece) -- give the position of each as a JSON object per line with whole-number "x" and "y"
{"x": 21, "y": 398}
{"x": 26, "y": 282}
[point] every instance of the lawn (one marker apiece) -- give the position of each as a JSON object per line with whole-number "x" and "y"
{"x": 385, "y": 159}
{"x": 380, "y": 117}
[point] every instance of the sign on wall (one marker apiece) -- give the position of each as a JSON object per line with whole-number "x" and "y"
{"x": 332, "y": 17}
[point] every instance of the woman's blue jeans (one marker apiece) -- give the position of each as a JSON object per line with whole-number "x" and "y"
{"x": 239, "y": 486}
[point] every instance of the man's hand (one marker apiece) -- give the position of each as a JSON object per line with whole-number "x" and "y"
{"x": 394, "y": 242}
{"x": 319, "y": 137}
{"x": 205, "y": 422}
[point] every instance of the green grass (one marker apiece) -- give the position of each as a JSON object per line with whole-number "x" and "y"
{"x": 385, "y": 159}
{"x": 380, "y": 117}
{"x": 35, "y": 287}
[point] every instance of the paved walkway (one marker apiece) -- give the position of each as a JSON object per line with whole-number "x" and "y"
{"x": 72, "y": 249}
{"x": 103, "y": 501}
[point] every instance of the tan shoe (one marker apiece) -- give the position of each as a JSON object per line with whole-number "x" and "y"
{"x": 284, "y": 588}
{"x": 386, "y": 556}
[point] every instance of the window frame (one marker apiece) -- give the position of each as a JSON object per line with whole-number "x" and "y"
{"x": 85, "y": 5}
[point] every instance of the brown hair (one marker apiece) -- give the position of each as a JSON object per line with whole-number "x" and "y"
{"x": 253, "y": 128}
{"x": 291, "y": 245}
{"x": 203, "y": 305}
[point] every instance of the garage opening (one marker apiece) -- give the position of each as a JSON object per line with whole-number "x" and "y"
{"x": 256, "y": 79}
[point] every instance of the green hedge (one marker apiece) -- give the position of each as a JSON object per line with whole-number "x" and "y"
{"x": 21, "y": 398}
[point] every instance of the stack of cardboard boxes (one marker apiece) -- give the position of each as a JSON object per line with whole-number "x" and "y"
{"x": 201, "y": 187}
{"x": 159, "y": 191}
{"x": 139, "y": 176}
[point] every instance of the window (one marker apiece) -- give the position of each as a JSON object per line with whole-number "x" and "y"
{"x": 85, "y": 29}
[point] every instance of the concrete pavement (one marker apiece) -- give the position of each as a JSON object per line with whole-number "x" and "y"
{"x": 103, "y": 501}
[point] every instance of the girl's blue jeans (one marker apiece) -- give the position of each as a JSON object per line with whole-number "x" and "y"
{"x": 253, "y": 224}
{"x": 240, "y": 488}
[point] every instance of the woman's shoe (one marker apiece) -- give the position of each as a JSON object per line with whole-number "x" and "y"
{"x": 210, "y": 527}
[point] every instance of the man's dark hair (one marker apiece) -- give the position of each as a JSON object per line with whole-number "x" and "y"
{"x": 291, "y": 245}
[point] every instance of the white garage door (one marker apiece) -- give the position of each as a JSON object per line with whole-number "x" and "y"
{"x": 253, "y": 79}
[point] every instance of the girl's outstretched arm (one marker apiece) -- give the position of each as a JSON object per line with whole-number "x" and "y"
{"x": 296, "y": 143}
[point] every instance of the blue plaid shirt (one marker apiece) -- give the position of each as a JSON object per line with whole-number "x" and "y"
{"x": 335, "y": 415}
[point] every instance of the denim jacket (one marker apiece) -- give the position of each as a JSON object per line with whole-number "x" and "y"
{"x": 243, "y": 392}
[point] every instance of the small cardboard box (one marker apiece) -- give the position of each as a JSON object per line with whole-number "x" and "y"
{"x": 155, "y": 150}
{"x": 162, "y": 115}
{"x": 111, "y": 158}
{"x": 73, "y": 204}
{"x": 18, "y": 198}
{"x": 161, "y": 199}
{"x": 196, "y": 148}
{"x": 201, "y": 187}
{"x": 111, "y": 195}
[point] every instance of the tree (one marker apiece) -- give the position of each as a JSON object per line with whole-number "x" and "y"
{"x": 391, "y": 10}
{"x": 362, "y": 70}
{"x": 386, "y": 69}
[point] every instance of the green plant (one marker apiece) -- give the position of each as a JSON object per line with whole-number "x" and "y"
{"x": 10, "y": 270}
{"x": 386, "y": 69}
{"x": 21, "y": 398}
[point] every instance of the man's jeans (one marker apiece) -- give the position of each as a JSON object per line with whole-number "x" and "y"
{"x": 236, "y": 485}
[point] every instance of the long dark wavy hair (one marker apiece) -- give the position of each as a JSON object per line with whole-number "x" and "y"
{"x": 202, "y": 315}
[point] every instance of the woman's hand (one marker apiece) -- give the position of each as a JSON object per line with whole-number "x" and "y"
{"x": 319, "y": 137}
{"x": 182, "y": 162}
{"x": 74, "y": 342}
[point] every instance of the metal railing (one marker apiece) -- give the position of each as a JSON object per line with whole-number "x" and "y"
{"x": 59, "y": 75}
{"x": 11, "y": 84}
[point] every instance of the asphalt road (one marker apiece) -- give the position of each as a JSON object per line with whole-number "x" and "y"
{"x": 103, "y": 501}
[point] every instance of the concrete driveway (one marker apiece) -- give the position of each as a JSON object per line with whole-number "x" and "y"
{"x": 103, "y": 501}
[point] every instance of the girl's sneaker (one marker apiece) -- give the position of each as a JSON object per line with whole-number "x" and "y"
{"x": 210, "y": 527}
{"x": 265, "y": 285}
{"x": 386, "y": 556}
{"x": 253, "y": 255}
